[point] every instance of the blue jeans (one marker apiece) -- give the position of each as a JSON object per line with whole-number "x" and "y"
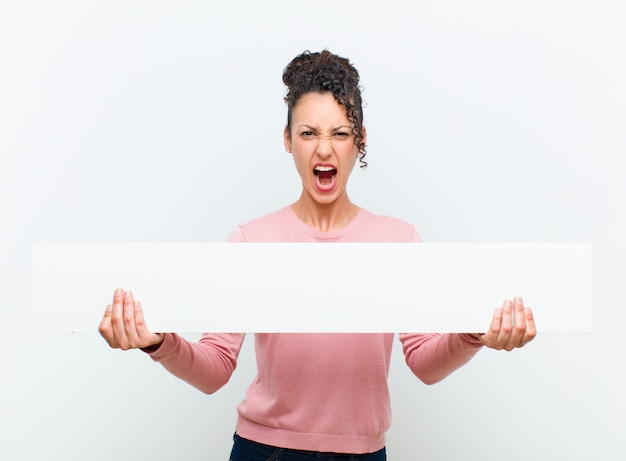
{"x": 247, "y": 450}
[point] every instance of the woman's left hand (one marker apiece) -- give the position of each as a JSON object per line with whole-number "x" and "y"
{"x": 512, "y": 326}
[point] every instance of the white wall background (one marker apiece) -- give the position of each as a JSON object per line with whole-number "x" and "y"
{"x": 162, "y": 121}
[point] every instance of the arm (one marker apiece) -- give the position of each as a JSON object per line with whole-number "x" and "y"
{"x": 432, "y": 357}
{"x": 207, "y": 365}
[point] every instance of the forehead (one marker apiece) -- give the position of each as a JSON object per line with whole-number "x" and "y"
{"x": 319, "y": 108}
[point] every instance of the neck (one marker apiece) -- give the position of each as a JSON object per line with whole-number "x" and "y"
{"x": 325, "y": 217}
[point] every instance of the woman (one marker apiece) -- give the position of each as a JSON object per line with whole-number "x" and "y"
{"x": 316, "y": 393}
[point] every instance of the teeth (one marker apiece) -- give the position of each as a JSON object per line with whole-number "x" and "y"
{"x": 324, "y": 168}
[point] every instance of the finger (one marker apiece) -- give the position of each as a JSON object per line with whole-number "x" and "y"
{"x": 117, "y": 308}
{"x": 506, "y": 326}
{"x": 146, "y": 337}
{"x": 140, "y": 321}
{"x": 130, "y": 327}
{"x": 491, "y": 336}
{"x": 518, "y": 307}
{"x": 531, "y": 330}
{"x": 105, "y": 328}
{"x": 117, "y": 319}
{"x": 519, "y": 324}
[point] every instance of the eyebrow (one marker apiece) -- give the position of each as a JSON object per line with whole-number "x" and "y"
{"x": 312, "y": 128}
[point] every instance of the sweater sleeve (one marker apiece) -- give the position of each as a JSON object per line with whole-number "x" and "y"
{"x": 432, "y": 357}
{"x": 207, "y": 364}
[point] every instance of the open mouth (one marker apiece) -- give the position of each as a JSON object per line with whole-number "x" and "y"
{"x": 325, "y": 174}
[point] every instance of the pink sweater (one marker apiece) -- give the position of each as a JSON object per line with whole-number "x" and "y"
{"x": 320, "y": 392}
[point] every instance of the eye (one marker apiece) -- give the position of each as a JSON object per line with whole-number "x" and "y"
{"x": 341, "y": 135}
{"x": 307, "y": 134}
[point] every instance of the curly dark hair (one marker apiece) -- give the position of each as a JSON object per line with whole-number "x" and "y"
{"x": 326, "y": 72}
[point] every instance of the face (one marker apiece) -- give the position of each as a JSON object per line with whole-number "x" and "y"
{"x": 322, "y": 145}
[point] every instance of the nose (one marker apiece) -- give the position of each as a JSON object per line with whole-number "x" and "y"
{"x": 324, "y": 146}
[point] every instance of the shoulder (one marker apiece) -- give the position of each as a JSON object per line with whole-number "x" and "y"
{"x": 272, "y": 227}
{"x": 383, "y": 228}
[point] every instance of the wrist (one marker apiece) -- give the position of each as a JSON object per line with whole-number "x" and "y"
{"x": 154, "y": 347}
{"x": 477, "y": 336}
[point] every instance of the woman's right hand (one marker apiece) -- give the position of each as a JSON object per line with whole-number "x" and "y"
{"x": 123, "y": 325}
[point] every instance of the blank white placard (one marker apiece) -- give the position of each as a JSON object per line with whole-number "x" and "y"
{"x": 313, "y": 287}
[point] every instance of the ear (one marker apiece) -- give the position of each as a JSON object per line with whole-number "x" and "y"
{"x": 287, "y": 139}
